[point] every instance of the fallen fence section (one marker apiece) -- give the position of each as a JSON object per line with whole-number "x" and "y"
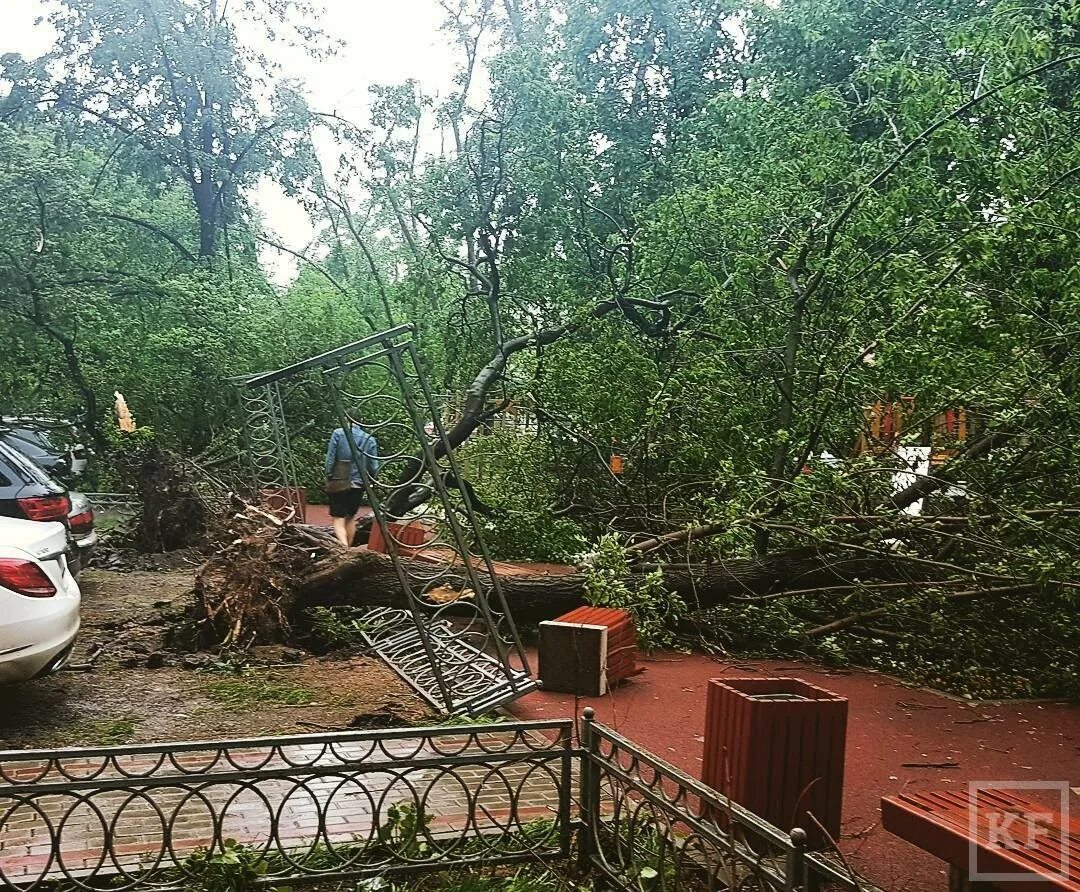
{"x": 456, "y": 642}
{"x": 480, "y": 682}
{"x": 321, "y": 808}
{"x": 302, "y": 809}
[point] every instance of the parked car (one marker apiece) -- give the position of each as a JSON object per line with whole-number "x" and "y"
{"x": 83, "y": 535}
{"x": 27, "y": 492}
{"x": 39, "y": 599}
{"x": 81, "y": 522}
{"x": 31, "y": 436}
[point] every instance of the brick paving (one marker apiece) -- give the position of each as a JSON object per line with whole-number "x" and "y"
{"x": 102, "y": 814}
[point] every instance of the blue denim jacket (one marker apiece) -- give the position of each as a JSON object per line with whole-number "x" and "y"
{"x": 338, "y": 450}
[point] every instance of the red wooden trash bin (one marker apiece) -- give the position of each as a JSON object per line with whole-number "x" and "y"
{"x": 587, "y": 651}
{"x": 776, "y": 746}
{"x": 410, "y": 537}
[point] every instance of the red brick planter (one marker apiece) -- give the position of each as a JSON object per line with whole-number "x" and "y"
{"x": 409, "y": 537}
{"x": 776, "y": 746}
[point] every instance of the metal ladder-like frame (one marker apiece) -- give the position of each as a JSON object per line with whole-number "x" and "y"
{"x": 453, "y": 640}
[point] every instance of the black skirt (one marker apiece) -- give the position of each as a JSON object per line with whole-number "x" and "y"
{"x": 347, "y": 503}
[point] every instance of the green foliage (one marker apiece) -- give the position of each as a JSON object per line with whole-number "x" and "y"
{"x": 656, "y": 611}
{"x": 127, "y": 452}
{"x": 404, "y": 830}
{"x": 332, "y": 628}
{"x": 235, "y": 868}
{"x": 514, "y": 474}
{"x": 172, "y": 79}
{"x": 241, "y": 868}
{"x": 702, "y": 247}
{"x": 648, "y": 857}
{"x": 1013, "y": 649}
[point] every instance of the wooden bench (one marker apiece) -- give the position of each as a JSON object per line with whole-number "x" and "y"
{"x": 996, "y": 831}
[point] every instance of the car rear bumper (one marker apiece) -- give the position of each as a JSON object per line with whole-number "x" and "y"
{"x": 46, "y": 655}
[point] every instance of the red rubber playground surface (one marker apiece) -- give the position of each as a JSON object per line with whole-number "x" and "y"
{"x": 663, "y": 710}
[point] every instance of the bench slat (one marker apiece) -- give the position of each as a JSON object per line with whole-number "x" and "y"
{"x": 940, "y": 823}
{"x": 1061, "y": 835}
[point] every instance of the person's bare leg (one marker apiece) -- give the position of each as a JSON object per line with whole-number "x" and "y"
{"x": 342, "y": 531}
{"x": 350, "y": 525}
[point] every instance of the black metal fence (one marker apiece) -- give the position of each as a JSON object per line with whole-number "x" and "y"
{"x": 320, "y": 808}
{"x": 302, "y": 809}
{"x": 647, "y": 825}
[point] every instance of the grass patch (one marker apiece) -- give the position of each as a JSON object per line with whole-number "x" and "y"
{"x": 252, "y": 692}
{"x": 112, "y": 732}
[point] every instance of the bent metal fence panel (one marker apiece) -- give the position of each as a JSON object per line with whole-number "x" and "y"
{"x": 452, "y": 638}
{"x": 647, "y": 825}
{"x": 311, "y": 808}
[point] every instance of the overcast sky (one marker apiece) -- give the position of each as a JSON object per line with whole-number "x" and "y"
{"x": 386, "y": 41}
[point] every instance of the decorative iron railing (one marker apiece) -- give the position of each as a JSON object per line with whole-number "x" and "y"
{"x": 305, "y": 809}
{"x": 121, "y": 503}
{"x": 648, "y": 826}
{"x": 322, "y": 808}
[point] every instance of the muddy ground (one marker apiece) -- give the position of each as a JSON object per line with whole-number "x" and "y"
{"x": 125, "y": 686}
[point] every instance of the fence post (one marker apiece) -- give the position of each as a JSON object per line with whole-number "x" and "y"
{"x": 590, "y": 790}
{"x": 566, "y": 796}
{"x": 795, "y": 869}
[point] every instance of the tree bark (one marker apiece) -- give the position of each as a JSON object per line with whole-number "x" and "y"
{"x": 204, "y": 204}
{"x": 363, "y": 578}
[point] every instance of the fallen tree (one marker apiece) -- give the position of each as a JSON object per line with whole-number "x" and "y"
{"x": 265, "y": 572}
{"x": 358, "y": 577}
{"x": 894, "y": 606}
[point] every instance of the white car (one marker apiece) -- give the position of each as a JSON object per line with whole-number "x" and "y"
{"x": 39, "y": 599}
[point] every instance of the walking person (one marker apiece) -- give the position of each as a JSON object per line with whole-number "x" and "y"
{"x": 345, "y": 478}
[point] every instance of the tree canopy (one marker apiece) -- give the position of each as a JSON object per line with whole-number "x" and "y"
{"x": 701, "y": 235}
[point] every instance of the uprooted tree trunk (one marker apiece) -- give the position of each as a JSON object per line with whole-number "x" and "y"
{"x": 363, "y": 578}
{"x": 265, "y": 573}
{"x": 248, "y": 590}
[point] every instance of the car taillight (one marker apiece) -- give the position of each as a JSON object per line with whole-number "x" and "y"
{"x": 46, "y": 507}
{"x": 83, "y": 522}
{"x": 26, "y": 578}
